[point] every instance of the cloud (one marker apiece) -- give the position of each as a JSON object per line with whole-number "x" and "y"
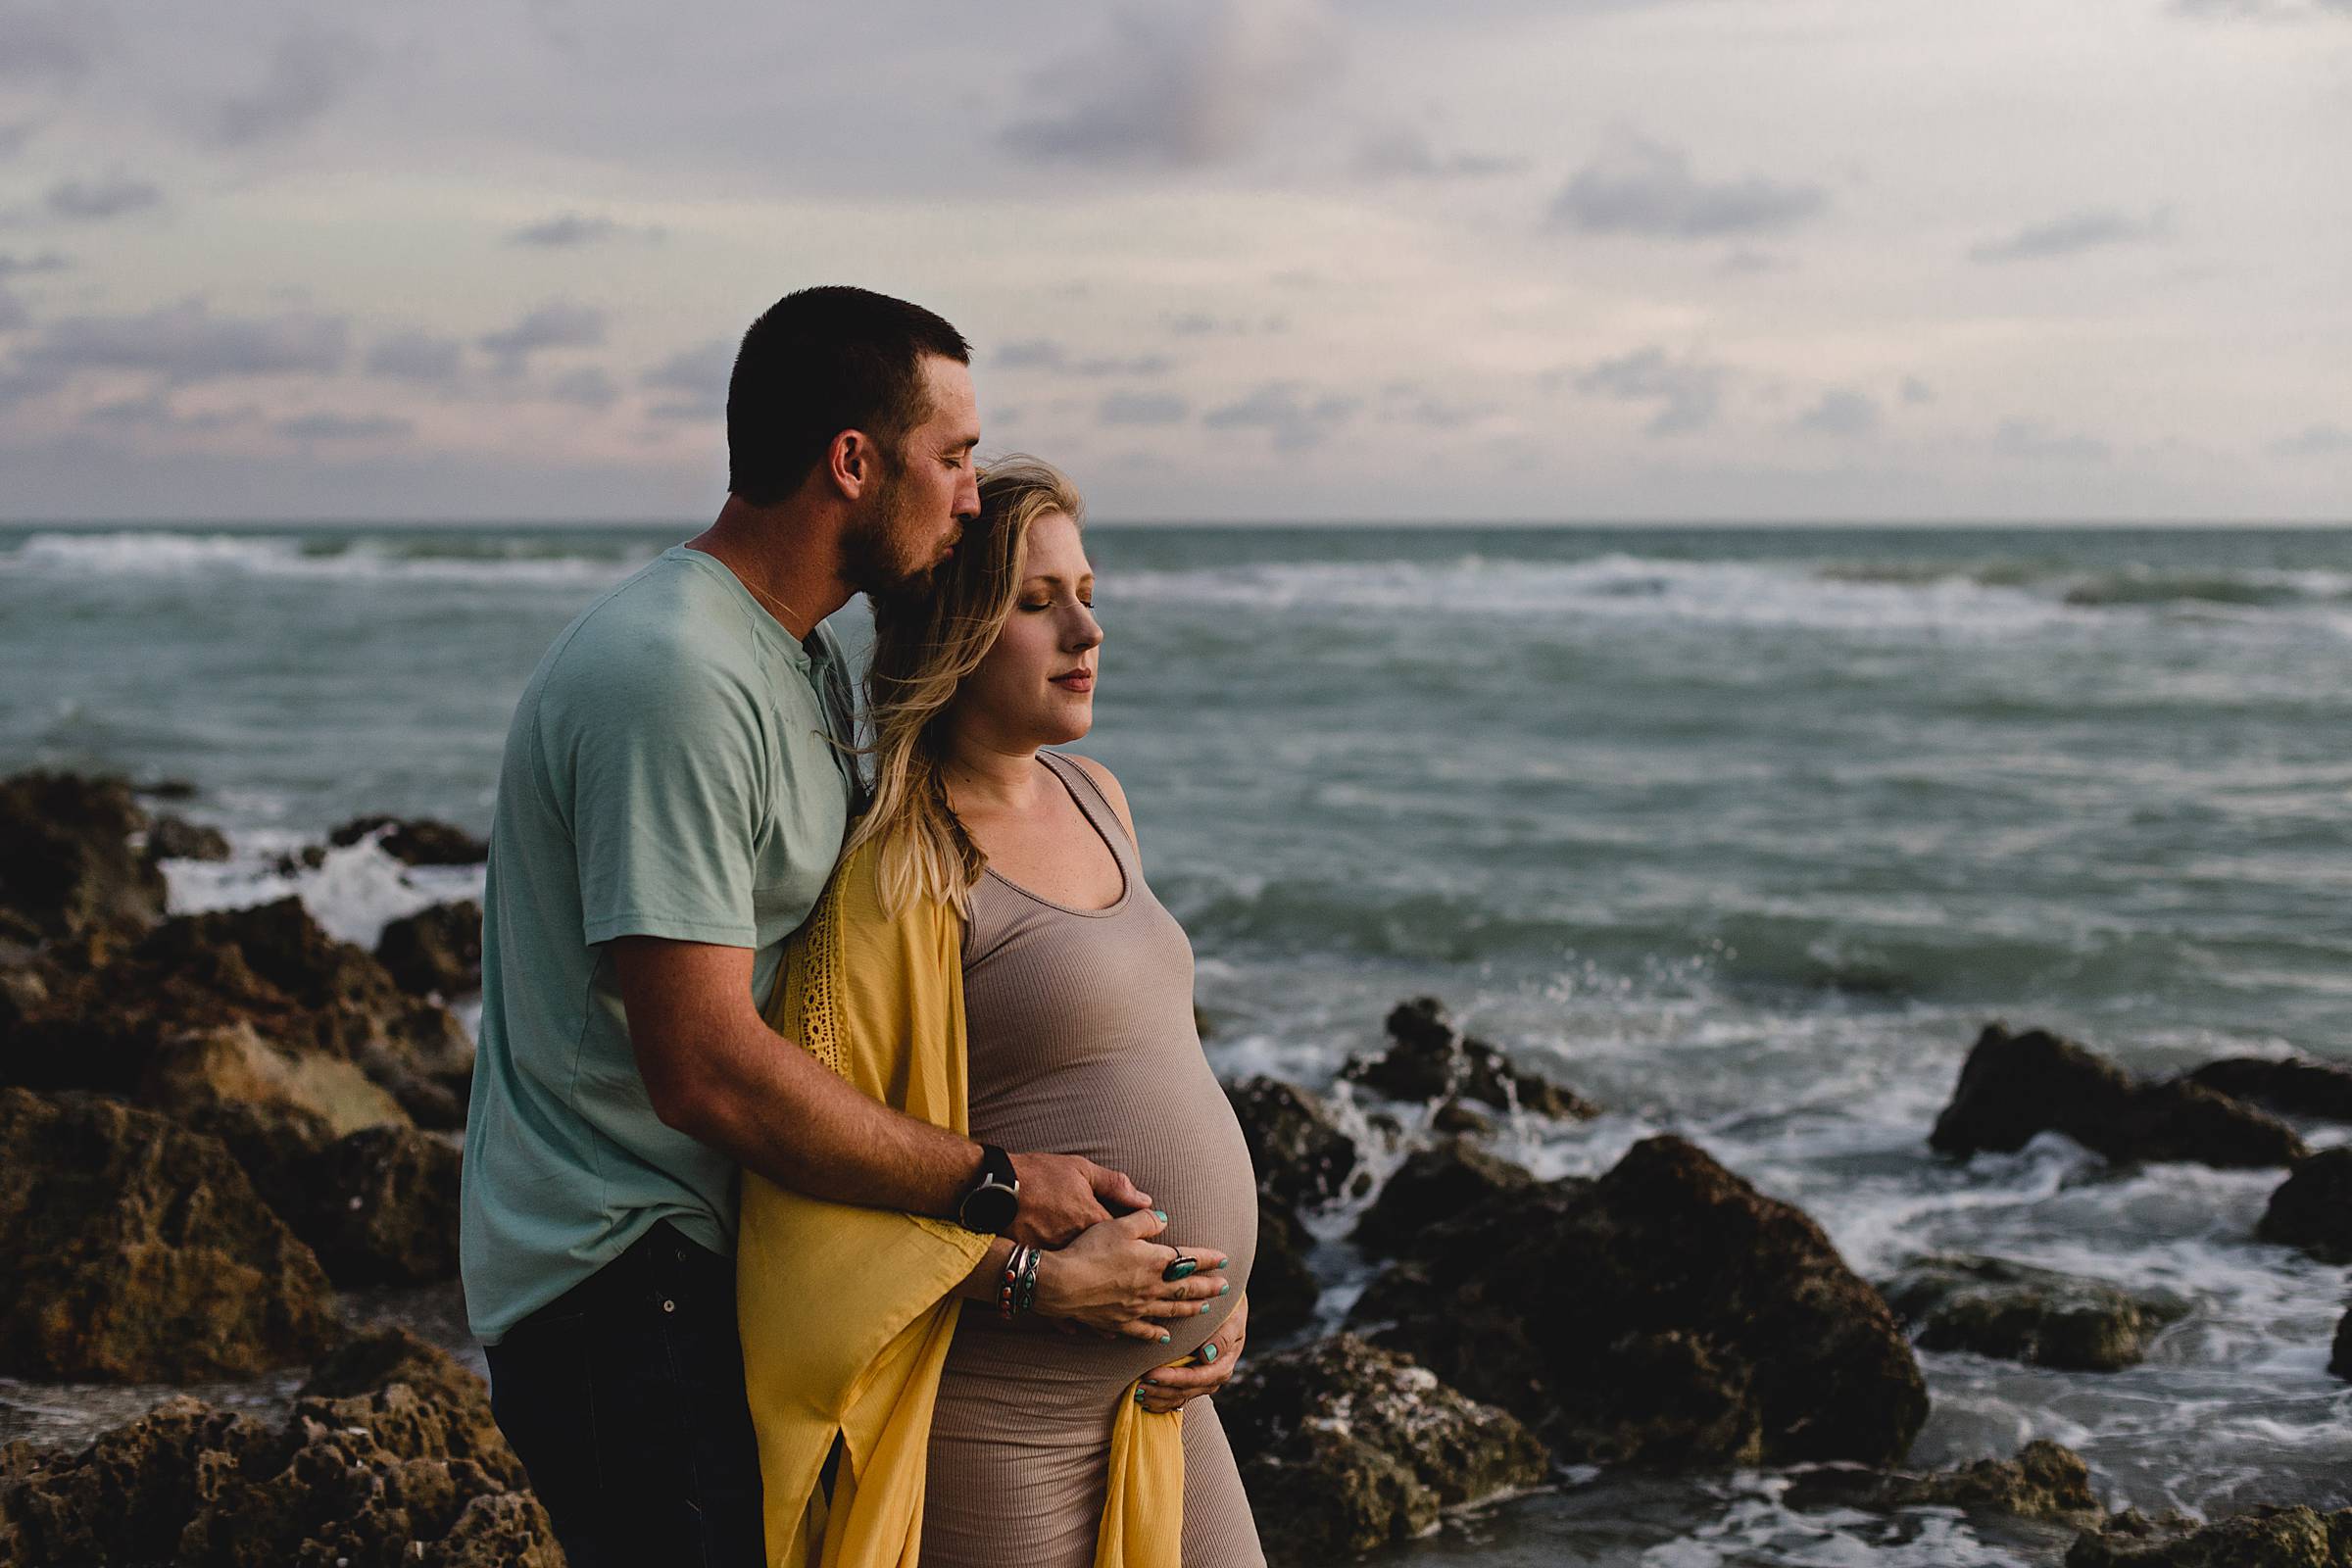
{"x": 13, "y": 314}
{"x": 1841, "y": 411}
{"x": 186, "y": 343}
{"x": 2033, "y": 440}
{"x": 1405, "y": 153}
{"x": 1640, "y": 186}
{"x": 2073, "y": 232}
{"x": 1410, "y": 404}
{"x": 2314, "y": 441}
{"x": 51, "y": 44}
{"x": 1044, "y": 354}
{"x": 573, "y": 230}
{"x": 698, "y": 378}
{"x": 553, "y": 325}
{"x": 585, "y": 388}
{"x": 1747, "y": 261}
{"x": 15, "y": 266}
{"x": 110, "y": 197}
{"x": 15, "y": 135}
{"x": 1688, "y": 391}
{"x": 155, "y": 411}
{"x": 417, "y": 357}
{"x": 1280, "y": 408}
{"x": 343, "y": 427}
{"x": 2263, "y": 9}
{"x": 1143, "y": 407}
{"x": 309, "y": 73}
{"x": 1914, "y": 390}
{"x": 1180, "y": 84}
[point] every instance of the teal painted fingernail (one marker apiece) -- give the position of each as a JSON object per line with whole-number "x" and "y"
{"x": 1209, "y": 1352}
{"x": 1139, "y": 1396}
{"x": 1164, "y": 1339}
{"x": 1222, "y": 1261}
{"x": 1223, "y": 1286}
{"x": 1160, "y": 1214}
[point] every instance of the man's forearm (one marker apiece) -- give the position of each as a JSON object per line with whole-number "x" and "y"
{"x": 763, "y": 1100}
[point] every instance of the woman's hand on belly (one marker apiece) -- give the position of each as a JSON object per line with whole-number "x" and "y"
{"x": 1110, "y": 1279}
{"x": 1170, "y": 1387}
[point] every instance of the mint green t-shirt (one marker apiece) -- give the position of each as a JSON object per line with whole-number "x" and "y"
{"x": 669, "y": 772}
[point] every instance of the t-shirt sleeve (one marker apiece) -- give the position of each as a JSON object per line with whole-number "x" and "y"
{"x": 662, "y": 766}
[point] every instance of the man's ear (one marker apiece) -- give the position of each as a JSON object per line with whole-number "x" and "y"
{"x": 851, "y": 464}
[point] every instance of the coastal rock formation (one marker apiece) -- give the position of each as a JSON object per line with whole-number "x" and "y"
{"x": 2260, "y": 1537}
{"x": 175, "y": 838}
{"x": 2019, "y": 1313}
{"x": 67, "y": 864}
{"x": 435, "y": 952}
{"x": 1430, "y": 1058}
{"x": 420, "y": 841}
{"x": 2313, "y": 1208}
{"x": 1665, "y": 1314}
{"x": 1301, "y": 1157}
{"x": 1348, "y": 1447}
{"x": 138, "y": 1251}
{"x": 2045, "y": 1481}
{"x": 388, "y": 1457}
{"x": 1434, "y": 1185}
{"x": 2295, "y": 1087}
{"x": 2014, "y": 1085}
{"x": 2340, "y": 1360}
{"x": 378, "y": 1207}
{"x": 110, "y": 1025}
{"x": 1282, "y": 1290}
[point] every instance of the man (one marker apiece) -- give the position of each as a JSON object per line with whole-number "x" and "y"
{"x": 672, "y": 802}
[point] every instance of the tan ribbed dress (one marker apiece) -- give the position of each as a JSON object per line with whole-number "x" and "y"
{"x": 1081, "y": 1042}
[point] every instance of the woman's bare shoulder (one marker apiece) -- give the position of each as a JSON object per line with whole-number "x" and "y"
{"x": 1110, "y": 785}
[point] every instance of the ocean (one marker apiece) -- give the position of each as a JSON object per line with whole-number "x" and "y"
{"x": 1742, "y": 832}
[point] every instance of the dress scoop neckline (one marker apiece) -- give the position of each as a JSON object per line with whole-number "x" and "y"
{"x": 1126, "y": 878}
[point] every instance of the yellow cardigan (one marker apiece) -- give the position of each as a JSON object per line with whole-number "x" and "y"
{"x": 847, "y": 1312}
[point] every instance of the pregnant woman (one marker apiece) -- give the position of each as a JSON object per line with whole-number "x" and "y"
{"x": 1078, "y": 997}
{"x": 990, "y": 958}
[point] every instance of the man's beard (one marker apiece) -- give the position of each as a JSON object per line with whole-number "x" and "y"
{"x": 873, "y": 552}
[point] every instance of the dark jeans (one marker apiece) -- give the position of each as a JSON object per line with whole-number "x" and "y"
{"x": 624, "y": 1398}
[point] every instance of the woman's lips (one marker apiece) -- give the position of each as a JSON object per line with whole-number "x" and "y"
{"x": 1077, "y": 680}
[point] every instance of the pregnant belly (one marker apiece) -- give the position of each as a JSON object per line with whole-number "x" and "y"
{"x": 1175, "y": 1136}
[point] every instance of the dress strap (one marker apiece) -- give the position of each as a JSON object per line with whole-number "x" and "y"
{"x": 1092, "y": 802}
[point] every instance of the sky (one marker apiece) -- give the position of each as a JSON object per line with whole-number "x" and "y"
{"x": 1221, "y": 260}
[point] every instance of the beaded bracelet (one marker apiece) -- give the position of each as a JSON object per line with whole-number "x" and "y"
{"x": 1027, "y": 1295}
{"x": 1008, "y": 1291}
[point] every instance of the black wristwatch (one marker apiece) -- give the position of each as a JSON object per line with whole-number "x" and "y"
{"x": 995, "y": 1198}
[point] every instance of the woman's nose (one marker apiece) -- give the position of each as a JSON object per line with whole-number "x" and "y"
{"x": 1086, "y": 631}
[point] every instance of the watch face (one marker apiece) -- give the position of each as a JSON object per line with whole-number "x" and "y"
{"x": 990, "y": 1210}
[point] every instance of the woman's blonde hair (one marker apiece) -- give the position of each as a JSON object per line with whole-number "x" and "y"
{"x": 924, "y": 646}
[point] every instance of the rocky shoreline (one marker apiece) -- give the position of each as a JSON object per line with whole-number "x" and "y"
{"x": 214, "y": 1123}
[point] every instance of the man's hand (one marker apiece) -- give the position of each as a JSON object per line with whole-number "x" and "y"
{"x": 1168, "y": 1387}
{"x": 1062, "y": 1195}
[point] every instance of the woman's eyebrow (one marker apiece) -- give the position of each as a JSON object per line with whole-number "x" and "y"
{"x": 1052, "y": 579}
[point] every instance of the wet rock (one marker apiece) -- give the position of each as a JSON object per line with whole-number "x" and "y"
{"x": 195, "y": 1074}
{"x": 2293, "y": 1087}
{"x": 2015, "y": 1312}
{"x": 1301, "y": 1157}
{"x": 2259, "y": 1538}
{"x": 461, "y": 1423}
{"x": 435, "y": 952}
{"x": 1455, "y": 1118}
{"x": 420, "y": 841}
{"x": 1282, "y": 1290}
{"x": 1347, "y": 1448}
{"x": 2339, "y": 1361}
{"x": 67, "y": 864}
{"x": 1433, "y": 1186}
{"x": 166, "y": 789}
{"x": 138, "y": 1251}
{"x": 1665, "y": 1314}
{"x": 380, "y": 1208}
{"x": 2014, "y": 1085}
{"x": 2045, "y": 1481}
{"x": 174, "y": 837}
{"x": 1429, "y": 1058}
{"x": 2313, "y": 1208}
{"x": 269, "y": 969}
{"x": 409, "y": 1470}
